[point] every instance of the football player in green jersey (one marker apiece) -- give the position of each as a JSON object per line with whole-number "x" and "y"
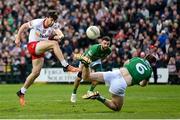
{"x": 135, "y": 71}
{"x": 94, "y": 54}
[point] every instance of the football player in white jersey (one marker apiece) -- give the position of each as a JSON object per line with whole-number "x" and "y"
{"x": 42, "y": 31}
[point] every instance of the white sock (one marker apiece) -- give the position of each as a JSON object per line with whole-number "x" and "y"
{"x": 64, "y": 63}
{"x": 23, "y": 90}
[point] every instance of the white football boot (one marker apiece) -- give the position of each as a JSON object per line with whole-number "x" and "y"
{"x": 73, "y": 98}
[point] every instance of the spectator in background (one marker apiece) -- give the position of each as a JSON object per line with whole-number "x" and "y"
{"x": 142, "y": 54}
{"x": 178, "y": 67}
{"x": 172, "y": 70}
{"x": 159, "y": 27}
{"x": 163, "y": 37}
{"x": 67, "y": 48}
{"x": 162, "y": 61}
{"x": 153, "y": 51}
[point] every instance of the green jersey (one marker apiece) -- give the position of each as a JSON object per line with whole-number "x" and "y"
{"x": 95, "y": 52}
{"x": 139, "y": 69}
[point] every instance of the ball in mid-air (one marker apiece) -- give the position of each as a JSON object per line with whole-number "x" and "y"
{"x": 93, "y": 32}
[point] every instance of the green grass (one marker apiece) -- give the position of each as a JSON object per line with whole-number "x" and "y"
{"x": 53, "y": 101}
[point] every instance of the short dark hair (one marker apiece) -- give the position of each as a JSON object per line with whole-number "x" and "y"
{"x": 53, "y": 14}
{"x": 151, "y": 58}
{"x": 107, "y": 38}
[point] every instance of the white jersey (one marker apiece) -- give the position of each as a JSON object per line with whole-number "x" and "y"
{"x": 38, "y": 32}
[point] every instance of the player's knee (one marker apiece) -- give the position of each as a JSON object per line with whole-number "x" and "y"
{"x": 79, "y": 80}
{"x": 116, "y": 108}
{"x": 36, "y": 72}
{"x": 79, "y": 74}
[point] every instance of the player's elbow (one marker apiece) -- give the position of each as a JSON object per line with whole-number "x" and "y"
{"x": 23, "y": 27}
{"x": 115, "y": 107}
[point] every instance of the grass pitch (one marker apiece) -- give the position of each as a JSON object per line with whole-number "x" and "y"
{"x": 52, "y": 101}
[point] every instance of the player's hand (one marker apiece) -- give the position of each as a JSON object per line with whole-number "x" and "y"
{"x": 17, "y": 41}
{"x": 58, "y": 37}
{"x": 59, "y": 34}
{"x": 55, "y": 38}
{"x": 77, "y": 56}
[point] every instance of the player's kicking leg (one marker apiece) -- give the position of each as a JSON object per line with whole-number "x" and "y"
{"x": 44, "y": 46}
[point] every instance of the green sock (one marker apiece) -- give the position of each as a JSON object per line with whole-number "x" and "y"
{"x": 92, "y": 88}
{"x": 75, "y": 90}
{"x": 101, "y": 99}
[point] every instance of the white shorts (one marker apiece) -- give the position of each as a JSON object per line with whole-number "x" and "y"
{"x": 115, "y": 81}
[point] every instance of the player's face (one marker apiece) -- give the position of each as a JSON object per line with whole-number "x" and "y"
{"x": 50, "y": 21}
{"x": 105, "y": 44}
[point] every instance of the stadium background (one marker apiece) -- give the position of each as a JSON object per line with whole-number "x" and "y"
{"x": 135, "y": 26}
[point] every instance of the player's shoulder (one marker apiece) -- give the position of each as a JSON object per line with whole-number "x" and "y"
{"x": 38, "y": 21}
{"x": 35, "y": 23}
{"x": 137, "y": 60}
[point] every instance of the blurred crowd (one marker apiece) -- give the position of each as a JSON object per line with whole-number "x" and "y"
{"x": 137, "y": 27}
